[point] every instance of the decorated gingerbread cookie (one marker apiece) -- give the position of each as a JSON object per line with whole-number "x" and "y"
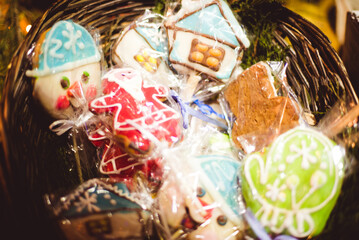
{"x": 292, "y": 186}
{"x": 139, "y": 119}
{"x": 205, "y": 42}
{"x": 99, "y": 209}
{"x": 143, "y": 46}
{"x": 205, "y": 36}
{"x": 66, "y": 69}
{"x": 218, "y": 192}
{"x": 119, "y": 165}
{"x": 200, "y": 195}
{"x": 256, "y": 112}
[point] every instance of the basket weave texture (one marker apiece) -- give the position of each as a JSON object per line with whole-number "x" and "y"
{"x": 315, "y": 72}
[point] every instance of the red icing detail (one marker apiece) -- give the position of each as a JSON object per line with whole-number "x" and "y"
{"x": 208, "y": 210}
{"x": 188, "y": 223}
{"x": 91, "y": 93}
{"x": 62, "y": 102}
{"x": 133, "y": 117}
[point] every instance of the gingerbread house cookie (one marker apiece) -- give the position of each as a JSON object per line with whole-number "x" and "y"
{"x": 99, "y": 209}
{"x": 205, "y": 36}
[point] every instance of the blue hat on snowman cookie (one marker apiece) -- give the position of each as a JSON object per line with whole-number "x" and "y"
{"x": 66, "y": 46}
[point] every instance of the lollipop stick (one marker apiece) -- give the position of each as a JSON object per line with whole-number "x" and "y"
{"x": 77, "y": 158}
{"x": 190, "y": 87}
{"x": 338, "y": 126}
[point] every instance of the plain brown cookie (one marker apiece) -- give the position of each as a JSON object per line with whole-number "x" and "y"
{"x": 259, "y": 115}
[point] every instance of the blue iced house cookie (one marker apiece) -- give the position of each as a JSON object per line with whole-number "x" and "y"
{"x": 205, "y": 36}
{"x": 102, "y": 210}
{"x": 66, "y": 68}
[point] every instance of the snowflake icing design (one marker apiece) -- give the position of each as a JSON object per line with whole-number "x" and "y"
{"x": 275, "y": 192}
{"x": 72, "y": 37}
{"x": 304, "y": 152}
{"x": 87, "y": 201}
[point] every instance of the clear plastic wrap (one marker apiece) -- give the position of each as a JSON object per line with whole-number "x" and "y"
{"x": 205, "y": 41}
{"x": 199, "y": 198}
{"x": 292, "y": 186}
{"x": 66, "y": 69}
{"x": 155, "y": 135}
{"x": 259, "y": 106}
{"x": 143, "y": 46}
{"x": 101, "y": 208}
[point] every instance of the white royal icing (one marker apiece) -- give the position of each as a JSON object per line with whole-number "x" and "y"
{"x": 285, "y": 187}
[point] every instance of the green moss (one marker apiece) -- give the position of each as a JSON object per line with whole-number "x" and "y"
{"x": 257, "y": 16}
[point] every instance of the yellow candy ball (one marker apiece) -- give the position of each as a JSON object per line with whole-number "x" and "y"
{"x": 197, "y": 56}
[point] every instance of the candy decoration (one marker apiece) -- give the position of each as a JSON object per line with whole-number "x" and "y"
{"x": 99, "y": 209}
{"x": 292, "y": 186}
{"x": 67, "y": 69}
{"x": 140, "y": 119}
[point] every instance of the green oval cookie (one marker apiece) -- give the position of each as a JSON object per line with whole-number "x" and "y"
{"x": 292, "y": 186}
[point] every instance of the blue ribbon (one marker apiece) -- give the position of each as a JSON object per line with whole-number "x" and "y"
{"x": 259, "y": 230}
{"x": 187, "y": 110}
{"x": 206, "y": 109}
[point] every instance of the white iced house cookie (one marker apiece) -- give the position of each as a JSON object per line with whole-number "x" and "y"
{"x": 204, "y": 36}
{"x": 143, "y": 47}
{"x": 293, "y": 185}
{"x": 66, "y": 69}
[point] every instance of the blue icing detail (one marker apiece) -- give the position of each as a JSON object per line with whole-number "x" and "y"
{"x": 210, "y": 21}
{"x": 223, "y": 172}
{"x": 152, "y": 36}
{"x": 66, "y": 46}
{"x": 174, "y": 55}
{"x": 97, "y": 199}
{"x": 225, "y": 74}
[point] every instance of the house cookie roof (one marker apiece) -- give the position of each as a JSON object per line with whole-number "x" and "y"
{"x": 214, "y": 19}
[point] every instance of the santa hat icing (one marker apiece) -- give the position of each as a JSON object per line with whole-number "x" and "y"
{"x": 66, "y": 46}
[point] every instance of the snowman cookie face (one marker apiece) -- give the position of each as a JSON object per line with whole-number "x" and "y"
{"x": 293, "y": 186}
{"x": 67, "y": 69}
{"x": 218, "y": 193}
{"x": 61, "y": 93}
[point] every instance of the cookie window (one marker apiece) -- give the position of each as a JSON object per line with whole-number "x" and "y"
{"x": 206, "y": 55}
{"x": 147, "y": 60}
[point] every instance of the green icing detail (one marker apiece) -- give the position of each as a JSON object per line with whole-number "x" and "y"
{"x": 293, "y": 185}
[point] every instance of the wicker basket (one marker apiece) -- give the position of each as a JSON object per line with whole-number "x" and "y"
{"x": 28, "y": 170}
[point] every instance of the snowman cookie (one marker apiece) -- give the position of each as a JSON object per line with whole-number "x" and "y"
{"x": 200, "y": 196}
{"x": 292, "y": 186}
{"x": 67, "y": 70}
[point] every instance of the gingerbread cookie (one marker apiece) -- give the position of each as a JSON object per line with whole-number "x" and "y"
{"x": 102, "y": 209}
{"x": 205, "y": 38}
{"x": 292, "y": 186}
{"x": 67, "y": 69}
{"x": 256, "y": 110}
{"x": 140, "y": 120}
{"x": 143, "y": 46}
